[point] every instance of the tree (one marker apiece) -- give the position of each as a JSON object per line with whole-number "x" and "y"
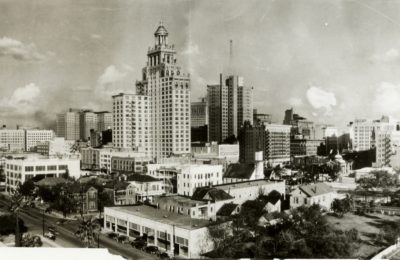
{"x": 30, "y": 240}
{"x": 88, "y": 230}
{"x": 338, "y": 207}
{"x": 17, "y": 203}
{"x": 27, "y": 188}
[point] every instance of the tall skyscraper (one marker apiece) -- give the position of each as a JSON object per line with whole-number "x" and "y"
{"x": 68, "y": 125}
{"x": 87, "y": 121}
{"x": 168, "y": 89}
{"x": 131, "y": 122}
{"x": 230, "y": 104}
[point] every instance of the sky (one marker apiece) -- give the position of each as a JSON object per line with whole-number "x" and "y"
{"x": 332, "y": 61}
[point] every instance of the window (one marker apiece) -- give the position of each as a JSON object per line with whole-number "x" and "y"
{"x": 29, "y": 168}
{"x": 40, "y": 168}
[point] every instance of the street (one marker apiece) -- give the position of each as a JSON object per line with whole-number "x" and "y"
{"x": 33, "y": 219}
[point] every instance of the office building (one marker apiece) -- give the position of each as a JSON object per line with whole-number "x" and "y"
{"x": 34, "y": 136}
{"x": 251, "y": 140}
{"x": 301, "y": 146}
{"x": 299, "y": 125}
{"x": 230, "y": 104}
{"x": 259, "y": 118}
{"x": 56, "y": 146}
{"x": 199, "y": 121}
{"x": 277, "y": 144}
{"x": 104, "y": 120}
{"x": 17, "y": 171}
{"x": 168, "y": 89}
{"x": 193, "y": 176}
{"x": 68, "y": 125}
{"x": 131, "y": 128}
{"x": 87, "y": 122}
{"x": 12, "y": 139}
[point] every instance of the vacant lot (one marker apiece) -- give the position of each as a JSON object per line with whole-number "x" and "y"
{"x": 368, "y": 227}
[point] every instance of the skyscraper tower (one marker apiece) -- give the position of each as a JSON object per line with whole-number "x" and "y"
{"x": 168, "y": 89}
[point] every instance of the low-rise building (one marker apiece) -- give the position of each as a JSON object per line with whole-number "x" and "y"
{"x": 177, "y": 234}
{"x": 145, "y": 187}
{"x": 239, "y": 172}
{"x": 19, "y": 170}
{"x": 213, "y": 150}
{"x": 307, "y": 195}
{"x": 56, "y": 146}
{"x": 193, "y": 176}
{"x": 136, "y": 165}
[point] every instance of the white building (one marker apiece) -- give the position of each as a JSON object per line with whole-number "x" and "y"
{"x": 307, "y": 195}
{"x": 34, "y": 137}
{"x": 213, "y": 150}
{"x": 12, "y": 139}
{"x": 363, "y": 132}
{"x": 177, "y": 234}
{"x": 277, "y": 144}
{"x": 57, "y": 146}
{"x": 168, "y": 88}
{"x": 19, "y": 170}
{"x": 100, "y": 158}
{"x": 193, "y": 176}
{"x": 131, "y": 127}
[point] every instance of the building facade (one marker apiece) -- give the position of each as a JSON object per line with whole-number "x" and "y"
{"x": 68, "y": 125}
{"x": 193, "y": 176}
{"x": 17, "y": 171}
{"x": 277, "y": 144}
{"x": 168, "y": 88}
{"x": 230, "y": 104}
{"x": 34, "y": 137}
{"x": 302, "y": 146}
{"x": 251, "y": 140}
{"x": 131, "y": 127}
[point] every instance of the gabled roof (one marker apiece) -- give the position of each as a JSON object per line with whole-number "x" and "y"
{"x": 141, "y": 178}
{"x": 50, "y": 181}
{"x": 239, "y": 170}
{"x": 315, "y": 189}
{"x": 121, "y": 185}
{"x": 209, "y": 193}
{"x": 78, "y": 188}
{"x": 227, "y": 209}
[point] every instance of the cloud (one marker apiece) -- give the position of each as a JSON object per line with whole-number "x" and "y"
{"x": 321, "y": 99}
{"x": 191, "y": 49}
{"x": 95, "y": 36}
{"x": 111, "y": 75}
{"x": 295, "y": 101}
{"x": 19, "y": 51}
{"x": 388, "y": 56}
{"x": 387, "y": 98}
{"x": 24, "y": 100}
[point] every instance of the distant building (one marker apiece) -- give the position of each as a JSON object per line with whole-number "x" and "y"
{"x": 245, "y": 171}
{"x": 304, "y": 146}
{"x": 308, "y": 195}
{"x": 68, "y": 125}
{"x": 213, "y": 150}
{"x": 199, "y": 113}
{"x": 34, "y": 137}
{"x": 251, "y": 140}
{"x": 168, "y": 88}
{"x": 277, "y": 144}
{"x": 131, "y": 127}
{"x": 259, "y": 119}
{"x": 132, "y": 165}
{"x": 23, "y": 139}
{"x": 300, "y": 125}
{"x": 104, "y": 120}
{"x": 193, "y": 176}
{"x": 87, "y": 121}
{"x": 57, "y": 146}
{"x": 17, "y": 171}
{"x": 230, "y": 104}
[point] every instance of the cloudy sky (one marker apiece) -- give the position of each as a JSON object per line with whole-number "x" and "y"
{"x": 332, "y": 61}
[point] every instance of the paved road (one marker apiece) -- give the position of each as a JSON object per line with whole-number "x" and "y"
{"x": 33, "y": 220}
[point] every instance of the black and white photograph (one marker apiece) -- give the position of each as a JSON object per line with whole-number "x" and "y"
{"x": 199, "y": 129}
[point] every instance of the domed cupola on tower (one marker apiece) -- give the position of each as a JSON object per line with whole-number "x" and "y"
{"x": 161, "y": 35}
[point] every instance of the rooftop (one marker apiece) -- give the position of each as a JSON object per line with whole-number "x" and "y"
{"x": 210, "y": 193}
{"x": 227, "y": 209}
{"x": 51, "y": 181}
{"x": 162, "y": 216}
{"x": 316, "y": 189}
{"x": 181, "y": 199}
{"x": 141, "y": 178}
{"x": 239, "y": 171}
{"x": 238, "y": 185}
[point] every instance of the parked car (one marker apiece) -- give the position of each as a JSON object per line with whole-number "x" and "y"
{"x": 123, "y": 239}
{"x": 112, "y": 235}
{"x": 50, "y": 235}
{"x": 164, "y": 256}
{"x": 139, "y": 244}
{"x": 151, "y": 250}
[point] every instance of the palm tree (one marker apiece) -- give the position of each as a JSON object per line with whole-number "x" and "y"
{"x": 18, "y": 201}
{"x": 88, "y": 230}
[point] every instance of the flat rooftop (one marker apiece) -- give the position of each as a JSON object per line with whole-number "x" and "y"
{"x": 163, "y": 216}
{"x": 182, "y": 199}
{"x": 243, "y": 184}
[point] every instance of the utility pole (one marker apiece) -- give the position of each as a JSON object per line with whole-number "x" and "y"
{"x": 43, "y": 221}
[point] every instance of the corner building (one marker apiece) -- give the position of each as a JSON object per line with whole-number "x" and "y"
{"x": 168, "y": 89}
